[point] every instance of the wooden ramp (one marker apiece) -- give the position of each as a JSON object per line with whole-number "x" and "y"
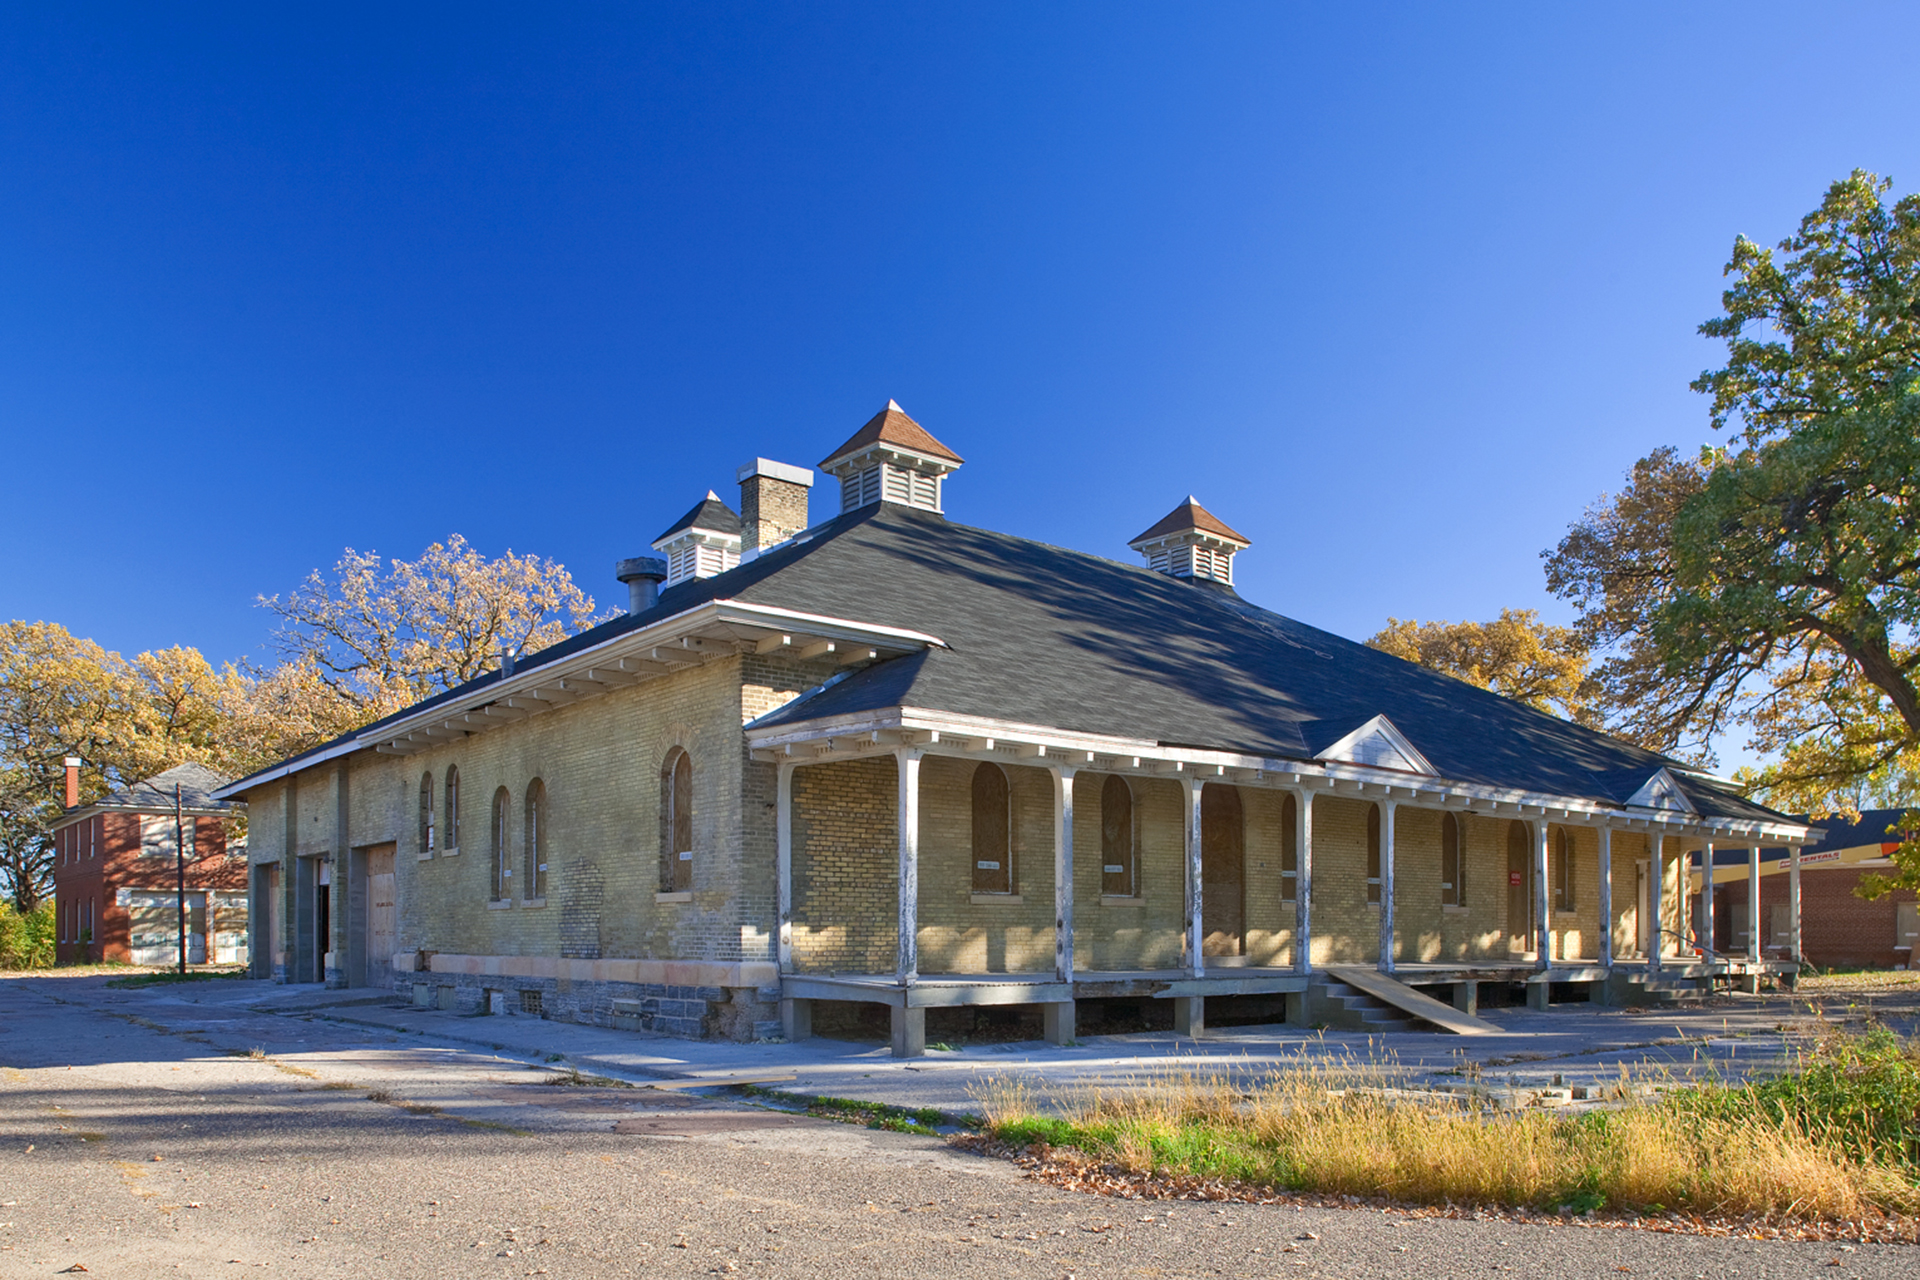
{"x": 1407, "y": 1000}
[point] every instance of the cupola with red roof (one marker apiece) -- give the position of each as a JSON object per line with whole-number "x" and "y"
{"x": 891, "y": 459}
{"x": 1191, "y": 542}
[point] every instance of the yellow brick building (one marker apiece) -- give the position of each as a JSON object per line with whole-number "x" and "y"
{"x": 889, "y": 758}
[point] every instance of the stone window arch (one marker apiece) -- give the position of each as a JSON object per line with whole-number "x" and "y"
{"x": 534, "y": 885}
{"x": 676, "y": 822}
{"x": 1119, "y": 849}
{"x": 992, "y": 830}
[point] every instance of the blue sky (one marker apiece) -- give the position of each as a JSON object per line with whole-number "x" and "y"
{"x": 1396, "y": 290}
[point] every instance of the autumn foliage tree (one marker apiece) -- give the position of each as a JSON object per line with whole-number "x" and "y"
{"x": 1516, "y": 655}
{"x": 1774, "y": 582}
{"x": 369, "y": 639}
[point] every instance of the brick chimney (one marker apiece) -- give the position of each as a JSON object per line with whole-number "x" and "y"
{"x": 73, "y": 782}
{"x": 773, "y": 503}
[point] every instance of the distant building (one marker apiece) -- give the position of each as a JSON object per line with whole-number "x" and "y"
{"x": 1840, "y": 929}
{"x": 115, "y": 879}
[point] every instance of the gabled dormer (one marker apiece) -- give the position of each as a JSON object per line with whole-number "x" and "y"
{"x": 1379, "y": 743}
{"x": 1192, "y": 542}
{"x": 891, "y": 459}
{"x": 702, "y": 543}
{"x": 1662, "y": 791}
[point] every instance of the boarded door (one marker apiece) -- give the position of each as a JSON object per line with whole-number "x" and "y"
{"x": 1223, "y": 870}
{"x": 276, "y": 918}
{"x": 1519, "y": 888}
{"x": 383, "y": 920}
{"x": 1641, "y": 913}
{"x": 153, "y": 926}
{"x": 1906, "y": 928}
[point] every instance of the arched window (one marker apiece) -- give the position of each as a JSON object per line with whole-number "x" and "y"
{"x": 992, "y": 831}
{"x": 1563, "y": 870}
{"x": 1118, "y": 865}
{"x": 534, "y": 885}
{"x": 426, "y": 813}
{"x": 1289, "y": 848}
{"x": 502, "y": 854}
{"x": 453, "y": 808}
{"x": 1373, "y": 854}
{"x": 676, "y": 823}
{"x": 1453, "y": 867}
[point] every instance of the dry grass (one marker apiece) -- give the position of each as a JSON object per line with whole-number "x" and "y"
{"x": 1345, "y": 1128}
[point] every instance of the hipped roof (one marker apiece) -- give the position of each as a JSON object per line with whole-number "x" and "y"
{"x": 892, "y": 426}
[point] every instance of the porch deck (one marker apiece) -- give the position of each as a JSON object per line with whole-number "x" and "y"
{"x": 939, "y": 990}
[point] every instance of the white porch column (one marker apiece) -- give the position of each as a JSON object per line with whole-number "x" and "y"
{"x": 1753, "y": 904}
{"x": 1793, "y": 903}
{"x": 1657, "y": 899}
{"x": 1062, "y": 873}
{"x": 908, "y": 968}
{"x": 1386, "y": 886}
{"x": 1706, "y": 902}
{"x": 1196, "y": 963}
{"x": 1542, "y": 919}
{"x": 1606, "y": 897}
{"x": 783, "y": 863}
{"x": 1303, "y": 882}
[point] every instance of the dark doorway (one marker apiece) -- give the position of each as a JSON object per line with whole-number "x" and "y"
{"x": 1223, "y": 870}
{"x": 322, "y": 926}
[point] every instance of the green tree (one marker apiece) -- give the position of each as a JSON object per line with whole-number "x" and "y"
{"x": 1516, "y": 655}
{"x": 1774, "y": 582}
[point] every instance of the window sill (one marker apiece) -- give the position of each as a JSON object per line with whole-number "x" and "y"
{"x": 998, "y": 900}
{"x": 452, "y": 851}
{"x": 683, "y": 896}
{"x": 1114, "y": 900}
{"x": 500, "y": 904}
{"x": 533, "y": 902}
{"x": 424, "y": 857}
{"x": 1448, "y": 909}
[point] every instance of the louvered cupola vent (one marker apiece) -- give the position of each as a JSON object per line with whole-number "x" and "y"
{"x": 702, "y": 543}
{"x": 1191, "y": 542}
{"x": 891, "y": 459}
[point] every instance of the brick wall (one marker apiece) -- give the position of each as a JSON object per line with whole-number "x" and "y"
{"x": 1838, "y": 928}
{"x": 846, "y": 877}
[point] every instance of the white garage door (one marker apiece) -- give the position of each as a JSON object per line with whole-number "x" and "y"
{"x": 154, "y": 926}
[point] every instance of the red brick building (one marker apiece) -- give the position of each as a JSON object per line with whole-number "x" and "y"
{"x": 115, "y": 877}
{"x": 1839, "y": 928}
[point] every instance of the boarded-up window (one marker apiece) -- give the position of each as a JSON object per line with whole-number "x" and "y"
{"x": 1452, "y": 866}
{"x": 1563, "y": 870}
{"x": 426, "y": 813}
{"x": 992, "y": 831}
{"x": 1117, "y": 867}
{"x": 453, "y": 807}
{"x": 535, "y": 883}
{"x": 502, "y": 838}
{"x": 1906, "y": 925}
{"x": 1373, "y": 854}
{"x": 1289, "y": 848}
{"x": 676, "y": 823}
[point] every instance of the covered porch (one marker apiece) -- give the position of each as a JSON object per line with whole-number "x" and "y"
{"x": 1238, "y": 876}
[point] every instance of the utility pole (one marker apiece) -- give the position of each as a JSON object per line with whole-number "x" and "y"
{"x": 180, "y": 874}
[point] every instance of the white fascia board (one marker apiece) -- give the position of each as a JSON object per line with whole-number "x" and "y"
{"x": 669, "y": 629}
{"x": 1322, "y": 775}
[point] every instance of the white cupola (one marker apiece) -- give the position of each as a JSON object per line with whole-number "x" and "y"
{"x": 891, "y": 459}
{"x": 702, "y": 543}
{"x": 1191, "y": 542}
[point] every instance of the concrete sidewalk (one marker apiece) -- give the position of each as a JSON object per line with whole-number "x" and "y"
{"x": 1566, "y": 1045}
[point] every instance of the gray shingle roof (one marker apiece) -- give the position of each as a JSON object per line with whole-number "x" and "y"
{"x": 155, "y": 795}
{"x": 708, "y": 513}
{"x": 1046, "y": 636}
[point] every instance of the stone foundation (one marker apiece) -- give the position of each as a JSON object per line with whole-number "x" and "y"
{"x": 693, "y": 1013}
